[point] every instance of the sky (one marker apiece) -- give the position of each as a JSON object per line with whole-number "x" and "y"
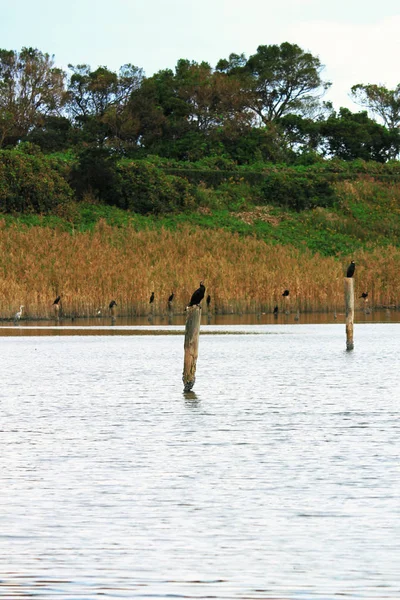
{"x": 358, "y": 41}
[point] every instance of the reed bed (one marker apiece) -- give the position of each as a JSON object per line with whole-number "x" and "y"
{"x": 243, "y": 275}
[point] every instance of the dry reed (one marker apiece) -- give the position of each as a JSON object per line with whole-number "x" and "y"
{"x": 242, "y": 274}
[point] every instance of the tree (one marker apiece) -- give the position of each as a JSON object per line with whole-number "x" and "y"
{"x": 279, "y": 79}
{"x": 31, "y": 88}
{"x": 97, "y": 99}
{"x": 354, "y": 135}
{"x": 380, "y": 101}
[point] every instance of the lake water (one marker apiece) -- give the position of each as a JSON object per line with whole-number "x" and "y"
{"x": 278, "y": 477}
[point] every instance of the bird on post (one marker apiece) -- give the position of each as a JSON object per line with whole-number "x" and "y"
{"x": 350, "y": 269}
{"x": 18, "y": 315}
{"x": 151, "y": 298}
{"x": 198, "y": 295}
{"x": 364, "y": 295}
{"x": 285, "y": 293}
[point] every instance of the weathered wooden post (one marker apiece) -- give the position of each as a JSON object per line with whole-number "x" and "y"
{"x": 191, "y": 346}
{"x": 349, "y": 302}
{"x": 56, "y": 311}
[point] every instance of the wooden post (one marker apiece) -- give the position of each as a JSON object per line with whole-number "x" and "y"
{"x": 349, "y": 302}
{"x": 56, "y": 311}
{"x": 191, "y": 346}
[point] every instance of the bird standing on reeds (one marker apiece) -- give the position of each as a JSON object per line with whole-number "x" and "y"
{"x": 198, "y": 295}
{"x": 18, "y": 315}
{"x": 350, "y": 269}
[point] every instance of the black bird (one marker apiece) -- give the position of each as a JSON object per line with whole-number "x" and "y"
{"x": 151, "y": 298}
{"x": 112, "y": 304}
{"x": 350, "y": 269}
{"x": 171, "y": 297}
{"x": 57, "y": 300}
{"x": 364, "y": 295}
{"x": 276, "y": 310}
{"x": 208, "y": 300}
{"x": 198, "y": 295}
{"x": 285, "y": 293}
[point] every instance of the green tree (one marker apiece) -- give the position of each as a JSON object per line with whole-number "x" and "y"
{"x": 380, "y": 101}
{"x": 97, "y": 99}
{"x": 31, "y": 89}
{"x": 279, "y": 80}
{"x": 350, "y": 136}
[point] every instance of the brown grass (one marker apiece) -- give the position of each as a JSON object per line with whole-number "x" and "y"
{"x": 241, "y": 274}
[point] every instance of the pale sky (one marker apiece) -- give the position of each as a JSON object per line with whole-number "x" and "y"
{"x": 357, "y": 40}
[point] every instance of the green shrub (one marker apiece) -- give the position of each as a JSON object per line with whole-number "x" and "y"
{"x": 297, "y": 191}
{"x": 30, "y": 182}
{"x": 146, "y": 189}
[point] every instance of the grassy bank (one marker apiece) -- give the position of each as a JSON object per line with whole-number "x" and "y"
{"x": 247, "y": 251}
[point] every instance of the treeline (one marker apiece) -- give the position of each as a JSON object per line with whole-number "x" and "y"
{"x": 265, "y": 108}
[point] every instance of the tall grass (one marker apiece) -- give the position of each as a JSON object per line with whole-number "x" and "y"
{"x": 242, "y": 274}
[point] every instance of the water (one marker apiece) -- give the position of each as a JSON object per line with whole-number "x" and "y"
{"x": 277, "y": 478}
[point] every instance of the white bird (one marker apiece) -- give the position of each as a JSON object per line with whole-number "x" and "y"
{"x": 18, "y": 315}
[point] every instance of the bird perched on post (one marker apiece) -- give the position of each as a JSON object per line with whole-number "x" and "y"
{"x": 364, "y": 295}
{"x": 151, "y": 298}
{"x": 285, "y": 293}
{"x": 198, "y": 295}
{"x": 18, "y": 315}
{"x": 350, "y": 269}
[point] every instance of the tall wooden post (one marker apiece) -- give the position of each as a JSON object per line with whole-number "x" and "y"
{"x": 349, "y": 302}
{"x": 191, "y": 346}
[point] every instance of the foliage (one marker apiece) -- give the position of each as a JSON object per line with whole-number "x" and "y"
{"x": 280, "y": 80}
{"x": 31, "y": 88}
{"x": 350, "y": 136}
{"x": 30, "y": 182}
{"x": 380, "y": 101}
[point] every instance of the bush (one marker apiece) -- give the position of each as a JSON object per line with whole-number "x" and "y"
{"x": 298, "y": 191}
{"x": 30, "y": 182}
{"x": 146, "y": 189}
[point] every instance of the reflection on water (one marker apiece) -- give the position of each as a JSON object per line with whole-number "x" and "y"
{"x": 276, "y": 477}
{"x": 151, "y": 324}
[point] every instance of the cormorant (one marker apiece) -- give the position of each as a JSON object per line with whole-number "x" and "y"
{"x": 151, "y": 298}
{"x": 364, "y": 295}
{"x": 350, "y": 269}
{"x": 112, "y": 304}
{"x": 57, "y": 300}
{"x": 208, "y": 300}
{"x": 285, "y": 293}
{"x": 276, "y": 310}
{"x": 171, "y": 297}
{"x": 198, "y": 295}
